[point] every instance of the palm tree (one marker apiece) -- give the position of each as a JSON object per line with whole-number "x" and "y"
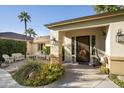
{"x": 31, "y": 32}
{"x": 24, "y": 17}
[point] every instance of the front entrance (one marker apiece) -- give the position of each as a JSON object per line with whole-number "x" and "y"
{"x": 83, "y": 49}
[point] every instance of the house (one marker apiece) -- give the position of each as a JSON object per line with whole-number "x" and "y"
{"x": 39, "y": 43}
{"x": 17, "y": 37}
{"x": 75, "y": 39}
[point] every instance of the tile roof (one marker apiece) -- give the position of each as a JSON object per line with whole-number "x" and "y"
{"x": 15, "y": 36}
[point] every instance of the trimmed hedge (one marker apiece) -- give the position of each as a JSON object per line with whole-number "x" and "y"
{"x": 117, "y": 81}
{"x": 35, "y": 73}
{"x": 12, "y": 46}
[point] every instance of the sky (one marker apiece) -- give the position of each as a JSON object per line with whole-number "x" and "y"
{"x": 40, "y": 15}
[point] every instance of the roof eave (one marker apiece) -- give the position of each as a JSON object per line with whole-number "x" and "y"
{"x": 82, "y": 19}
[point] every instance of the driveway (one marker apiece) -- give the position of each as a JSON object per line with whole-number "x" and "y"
{"x": 76, "y": 76}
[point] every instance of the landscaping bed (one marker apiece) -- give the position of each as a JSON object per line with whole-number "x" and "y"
{"x": 116, "y": 80}
{"x": 35, "y": 73}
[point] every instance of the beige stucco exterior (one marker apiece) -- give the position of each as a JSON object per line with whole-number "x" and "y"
{"x": 116, "y": 65}
{"x": 115, "y": 49}
{"x": 108, "y": 44}
{"x": 29, "y": 47}
{"x": 32, "y": 47}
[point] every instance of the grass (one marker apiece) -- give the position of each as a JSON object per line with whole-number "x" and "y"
{"x": 117, "y": 81}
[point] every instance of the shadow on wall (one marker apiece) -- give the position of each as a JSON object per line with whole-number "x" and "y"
{"x": 67, "y": 51}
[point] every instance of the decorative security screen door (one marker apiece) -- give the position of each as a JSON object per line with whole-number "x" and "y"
{"x": 83, "y": 49}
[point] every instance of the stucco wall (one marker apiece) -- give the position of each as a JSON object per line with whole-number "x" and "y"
{"x": 67, "y": 48}
{"x": 116, "y": 49}
{"x": 29, "y": 47}
{"x": 107, "y": 42}
{"x": 54, "y": 43}
{"x": 34, "y": 48}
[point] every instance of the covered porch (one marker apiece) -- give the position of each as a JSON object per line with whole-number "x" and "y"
{"x": 78, "y": 45}
{"x": 73, "y": 40}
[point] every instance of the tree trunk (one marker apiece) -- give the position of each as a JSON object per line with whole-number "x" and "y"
{"x": 25, "y": 22}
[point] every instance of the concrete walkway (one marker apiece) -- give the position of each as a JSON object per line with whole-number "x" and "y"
{"x": 6, "y": 81}
{"x": 76, "y": 76}
{"x": 82, "y": 76}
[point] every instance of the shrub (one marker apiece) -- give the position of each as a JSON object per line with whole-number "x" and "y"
{"x": 22, "y": 75}
{"x": 37, "y": 74}
{"x": 46, "y": 49}
{"x": 53, "y": 71}
{"x": 104, "y": 70}
{"x": 11, "y": 46}
{"x": 115, "y": 79}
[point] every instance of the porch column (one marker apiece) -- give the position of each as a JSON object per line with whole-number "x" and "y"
{"x": 56, "y": 46}
{"x": 67, "y": 49}
{"x": 29, "y": 47}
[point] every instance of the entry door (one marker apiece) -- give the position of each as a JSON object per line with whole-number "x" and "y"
{"x": 83, "y": 49}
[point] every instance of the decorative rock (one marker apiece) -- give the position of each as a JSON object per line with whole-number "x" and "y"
{"x": 32, "y": 75}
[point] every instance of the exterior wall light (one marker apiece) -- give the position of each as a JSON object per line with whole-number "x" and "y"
{"x": 120, "y": 36}
{"x": 53, "y": 41}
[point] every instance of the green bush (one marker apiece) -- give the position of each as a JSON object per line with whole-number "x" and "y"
{"x": 42, "y": 73}
{"x": 104, "y": 70}
{"x": 11, "y": 46}
{"x": 46, "y": 49}
{"x": 53, "y": 71}
{"x": 22, "y": 75}
{"x": 115, "y": 79}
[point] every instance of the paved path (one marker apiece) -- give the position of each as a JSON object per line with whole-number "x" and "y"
{"x": 76, "y": 76}
{"x": 14, "y": 66}
{"x": 6, "y": 80}
{"x": 82, "y": 76}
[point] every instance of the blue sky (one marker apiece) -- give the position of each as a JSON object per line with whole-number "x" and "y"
{"x": 40, "y": 15}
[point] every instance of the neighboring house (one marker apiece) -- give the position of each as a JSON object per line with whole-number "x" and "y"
{"x": 39, "y": 43}
{"x": 17, "y": 37}
{"x": 74, "y": 39}
{"x": 33, "y": 44}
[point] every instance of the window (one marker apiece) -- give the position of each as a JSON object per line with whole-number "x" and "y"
{"x": 40, "y": 47}
{"x": 73, "y": 45}
{"x": 93, "y": 37}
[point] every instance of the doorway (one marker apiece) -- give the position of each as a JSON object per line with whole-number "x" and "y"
{"x": 83, "y": 49}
